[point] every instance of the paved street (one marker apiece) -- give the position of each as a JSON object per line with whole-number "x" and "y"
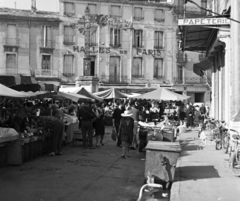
{"x": 91, "y": 175}
{"x": 203, "y": 173}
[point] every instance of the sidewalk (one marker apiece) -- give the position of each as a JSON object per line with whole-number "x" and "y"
{"x": 203, "y": 173}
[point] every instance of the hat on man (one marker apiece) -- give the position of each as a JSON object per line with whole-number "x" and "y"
{"x": 127, "y": 113}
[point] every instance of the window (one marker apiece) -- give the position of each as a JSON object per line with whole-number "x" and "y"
{"x": 138, "y": 14}
{"x": 11, "y": 61}
{"x": 158, "y": 40}
{"x": 180, "y": 74}
{"x": 93, "y": 37}
{"x": 137, "y": 68}
{"x": 115, "y": 11}
{"x": 46, "y": 64}
{"x": 93, "y": 9}
{"x": 138, "y": 38}
{"x": 47, "y": 37}
{"x": 158, "y": 69}
{"x": 68, "y": 69}
{"x": 68, "y": 35}
{"x": 159, "y": 15}
{"x": 89, "y": 66}
{"x": 115, "y": 37}
{"x": 114, "y": 68}
{"x": 11, "y": 34}
{"x": 69, "y": 9}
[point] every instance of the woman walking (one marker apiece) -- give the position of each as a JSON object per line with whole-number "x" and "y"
{"x": 126, "y": 132}
{"x": 99, "y": 124}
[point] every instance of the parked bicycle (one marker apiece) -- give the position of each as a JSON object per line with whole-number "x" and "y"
{"x": 234, "y": 155}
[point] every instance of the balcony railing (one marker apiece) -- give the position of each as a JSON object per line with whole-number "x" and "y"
{"x": 11, "y": 41}
{"x": 191, "y": 80}
{"x": 47, "y": 73}
{"x": 159, "y": 19}
{"x": 158, "y": 47}
{"x": 47, "y": 44}
{"x": 158, "y": 77}
{"x": 68, "y": 40}
{"x": 138, "y": 18}
{"x": 15, "y": 71}
{"x": 114, "y": 79}
{"x": 138, "y": 76}
{"x": 181, "y": 57}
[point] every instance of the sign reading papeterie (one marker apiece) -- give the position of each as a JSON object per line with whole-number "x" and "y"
{"x": 203, "y": 21}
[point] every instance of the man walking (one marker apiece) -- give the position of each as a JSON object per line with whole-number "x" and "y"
{"x": 116, "y": 118}
{"x": 87, "y": 116}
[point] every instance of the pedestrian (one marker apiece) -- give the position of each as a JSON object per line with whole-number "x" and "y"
{"x": 99, "y": 124}
{"x": 87, "y": 117}
{"x": 135, "y": 115}
{"x": 189, "y": 114}
{"x": 126, "y": 132}
{"x": 203, "y": 112}
{"x": 55, "y": 124}
{"x": 116, "y": 118}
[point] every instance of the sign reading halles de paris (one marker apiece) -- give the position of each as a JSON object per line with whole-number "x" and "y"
{"x": 203, "y": 21}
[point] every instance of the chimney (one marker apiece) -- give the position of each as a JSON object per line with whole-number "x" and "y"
{"x": 33, "y": 6}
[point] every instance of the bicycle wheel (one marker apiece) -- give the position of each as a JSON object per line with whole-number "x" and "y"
{"x": 235, "y": 163}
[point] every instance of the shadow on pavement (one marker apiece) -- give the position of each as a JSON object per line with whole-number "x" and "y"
{"x": 196, "y": 172}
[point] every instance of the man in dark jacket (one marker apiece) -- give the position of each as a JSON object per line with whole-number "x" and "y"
{"x": 203, "y": 111}
{"x": 116, "y": 121}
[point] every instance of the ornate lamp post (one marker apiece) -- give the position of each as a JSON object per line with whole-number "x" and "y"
{"x": 87, "y": 60}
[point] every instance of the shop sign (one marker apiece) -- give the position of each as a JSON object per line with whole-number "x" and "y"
{"x": 149, "y": 52}
{"x": 203, "y": 21}
{"x": 102, "y": 50}
{"x": 102, "y": 21}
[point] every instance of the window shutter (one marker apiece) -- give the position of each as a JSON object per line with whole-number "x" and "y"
{"x": 111, "y": 36}
{"x": 142, "y": 14}
{"x": 120, "y": 37}
{"x": 142, "y": 34}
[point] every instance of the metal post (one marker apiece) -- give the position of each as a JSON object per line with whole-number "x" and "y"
{"x": 87, "y": 43}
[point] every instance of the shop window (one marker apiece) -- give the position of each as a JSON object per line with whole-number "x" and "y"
{"x": 116, "y": 11}
{"x": 11, "y": 61}
{"x": 158, "y": 69}
{"x": 159, "y": 15}
{"x": 68, "y": 35}
{"x": 68, "y": 67}
{"x": 137, "y": 71}
{"x": 115, "y": 37}
{"x": 11, "y": 34}
{"x": 138, "y": 14}
{"x": 158, "y": 40}
{"x": 138, "y": 38}
{"x": 46, "y": 65}
{"x": 69, "y": 9}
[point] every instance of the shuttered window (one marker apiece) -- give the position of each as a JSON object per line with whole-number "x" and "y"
{"x": 159, "y": 15}
{"x": 93, "y": 9}
{"x": 47, "y": 36}
{"x": 11, "y": 61}
{"x": 138, "y": 13}
{"x": 68, "y": 9}
{"x": 158, "y": 39}
{"x": 11, "y": 34}
{"x": 68, "y": 68}
{"x": 115, "y": 37}
{"x": 137, "y": 70}
{"x": 68, "y": 34}
{"x": 138, "y": 38}
{"x": 115, "y": 11}
{"x": 158, "y": 68}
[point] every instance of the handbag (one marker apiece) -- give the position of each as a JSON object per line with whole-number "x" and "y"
{"x": 114, "y": 134}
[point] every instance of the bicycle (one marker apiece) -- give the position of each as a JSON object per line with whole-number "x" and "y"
{"x": 234, "y": 155}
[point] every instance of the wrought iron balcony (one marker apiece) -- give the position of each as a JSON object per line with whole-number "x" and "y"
{"x": 68, "y": 40}
{"x": 138, "y": 76}
{"x": 14, "y": 42}
{"x": 159, "y": 19}
{"x": 159, "y": 77}
{"x": 181, "y": 58}
{"x": 195, "y": 80}
{"x": 47, "y": 73}
{"x": 15, "y": 71}
{"x": 115, "y": 79}
{"x": 158, "y": 47}
{"x": 48, "y": 44}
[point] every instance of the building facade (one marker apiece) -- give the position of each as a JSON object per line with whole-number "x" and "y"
{"x": 29, "y": 43}
{"x": 129, "y": 45}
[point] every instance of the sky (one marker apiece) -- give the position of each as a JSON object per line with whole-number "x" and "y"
{"x": 44, "y": 5}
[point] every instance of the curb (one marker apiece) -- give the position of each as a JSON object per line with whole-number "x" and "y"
{"x": 175, "y": 190}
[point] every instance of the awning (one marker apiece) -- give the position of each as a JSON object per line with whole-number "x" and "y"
{"x": 198, "y": 38}
{"x": 204, "y": 65}
{"x": 12, "y": 80}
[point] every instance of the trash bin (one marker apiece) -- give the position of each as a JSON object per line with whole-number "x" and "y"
{"x": 161, "y": 160}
